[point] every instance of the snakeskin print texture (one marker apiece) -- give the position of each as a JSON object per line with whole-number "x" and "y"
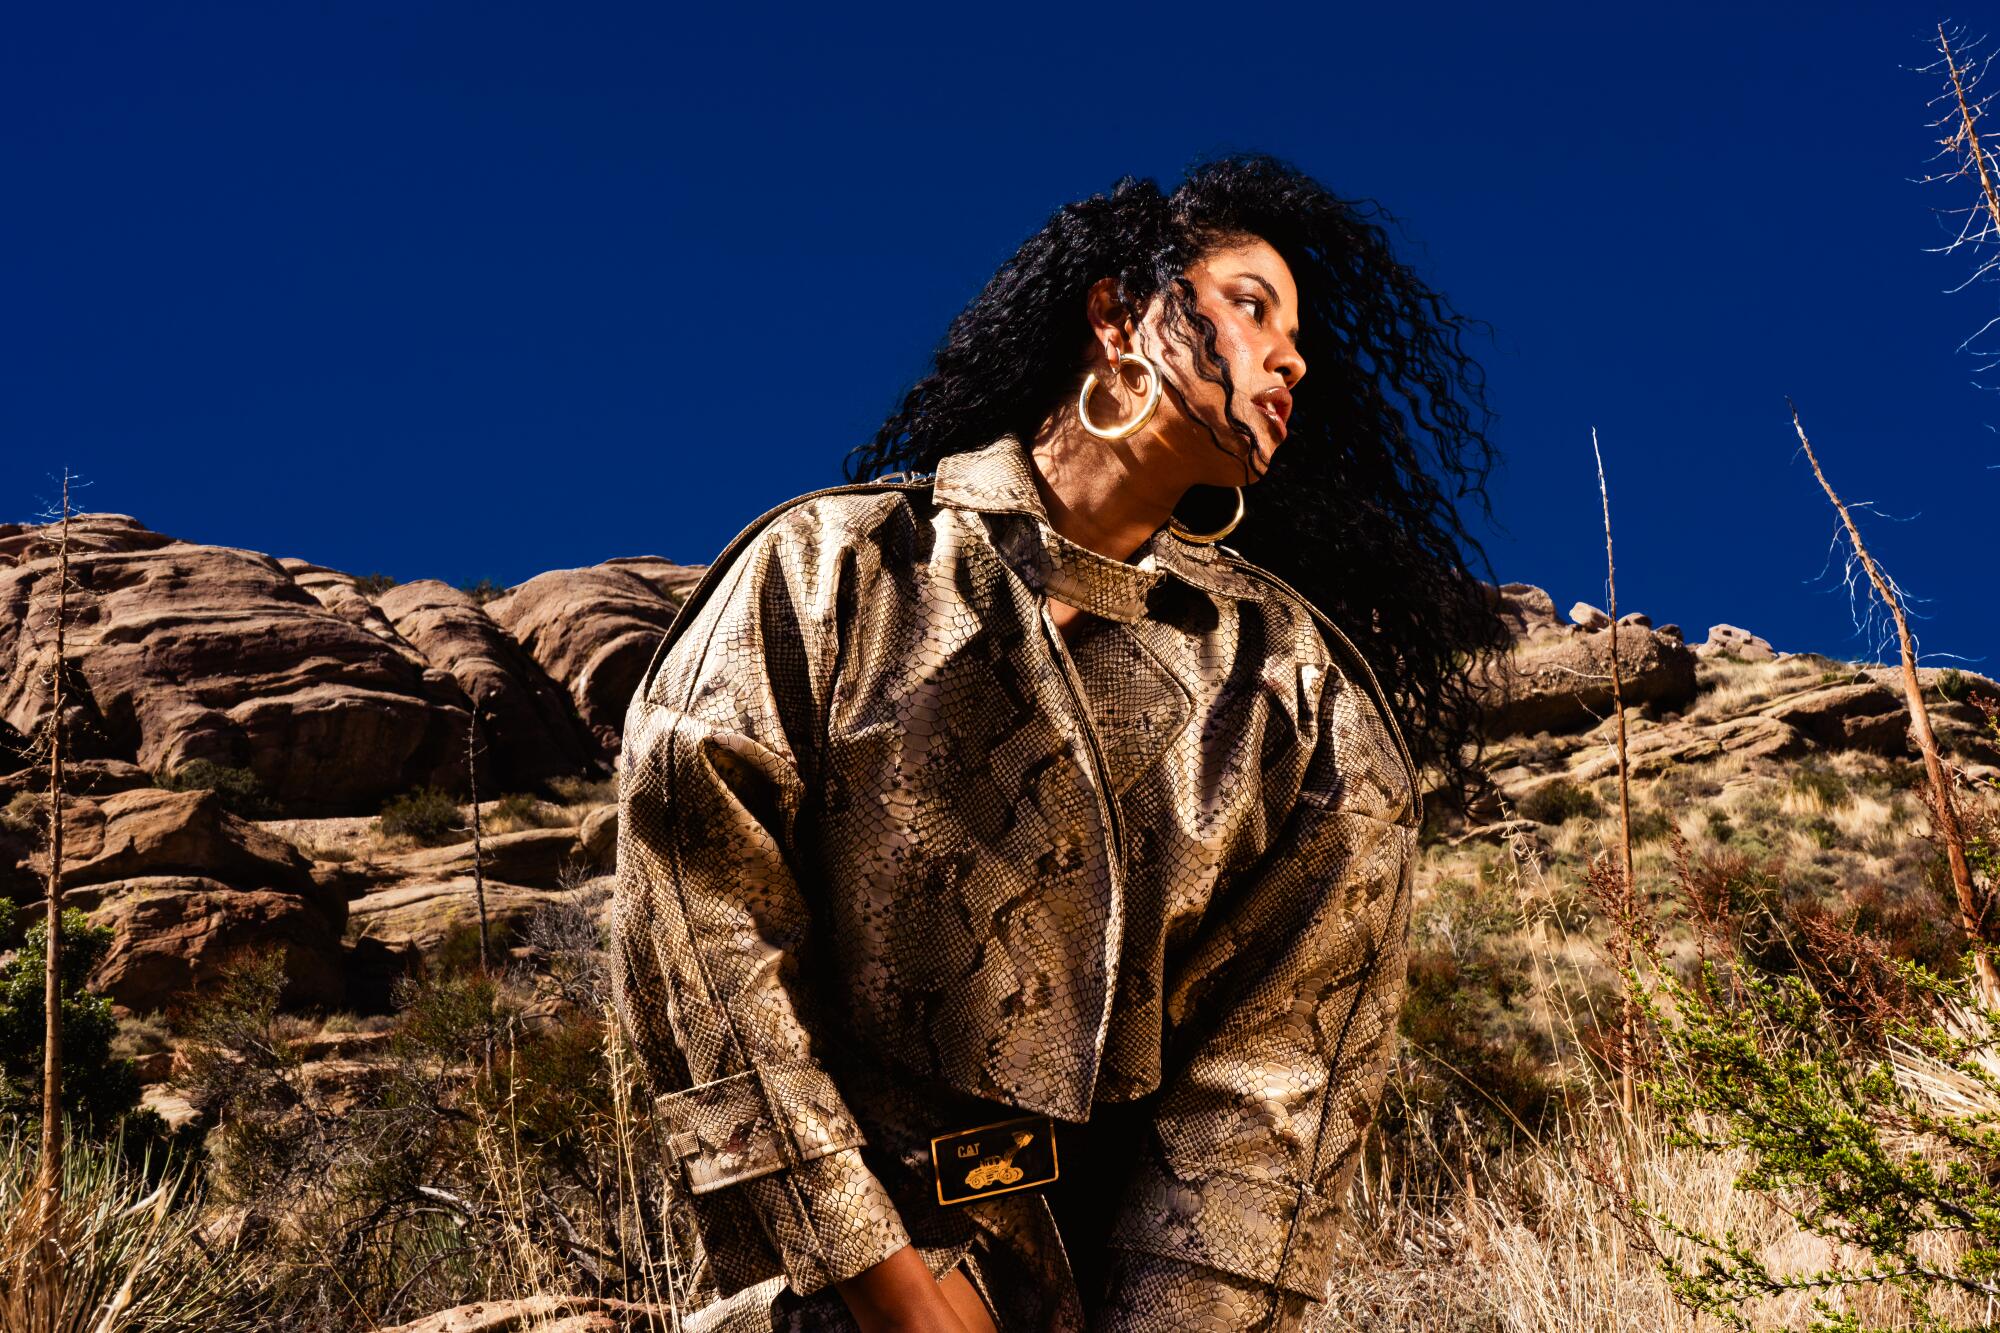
{"x": 895, "y": 859}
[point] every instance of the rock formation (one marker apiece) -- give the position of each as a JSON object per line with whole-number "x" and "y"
{"x": 595, "y": 630}
{"x": 1558, "y": 677}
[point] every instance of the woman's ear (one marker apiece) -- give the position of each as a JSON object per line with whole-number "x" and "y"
{"x": 1110, "y": 323}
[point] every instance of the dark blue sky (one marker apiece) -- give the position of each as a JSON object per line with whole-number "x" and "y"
{"x": 477, "y": 290}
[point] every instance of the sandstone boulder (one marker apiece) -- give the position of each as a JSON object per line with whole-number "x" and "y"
{"x": 82, "y": 777}
{"x": 172, "y": 934}
{"x": 341, "y": 594}
{"x": 1588, "y": 616}
{"x": 594, "y": 630}
{"x": 532, "y": 857}
{"x": 528, "y": 725}
{"x": 24, "y": 543}
{"x": 1525, "y": 609}
{"x": 600, "y": 836}
{"x": 1866, "y": 716}
{"x": 1560, "y": 684}
{"x": 673, "y": 581}
{"x": 151, "y": 831}
{"x": 1729, "y": 641}
{"x": 187, "y": 652}
{"x": 1654, "y": 750}
{"x": 413, "y": 919}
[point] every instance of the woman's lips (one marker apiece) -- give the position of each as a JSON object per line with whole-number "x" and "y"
{"x": 1277, "y": 405}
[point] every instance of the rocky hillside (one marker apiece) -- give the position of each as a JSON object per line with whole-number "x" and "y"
{"x": 323, "y": 698}
{"x": 312, "y": 700}
{"x": 253, "y": 739}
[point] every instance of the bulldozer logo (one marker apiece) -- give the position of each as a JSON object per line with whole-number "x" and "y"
{"x": 999, "y": 1170}
{"x": 1028, "y": 1159}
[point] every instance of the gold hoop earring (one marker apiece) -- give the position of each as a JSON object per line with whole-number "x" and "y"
{"x": 1208, "y": 538}
{"x": 1145, "y": 413}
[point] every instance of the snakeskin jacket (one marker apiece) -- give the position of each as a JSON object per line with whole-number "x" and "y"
{"x": 895, "y": 859}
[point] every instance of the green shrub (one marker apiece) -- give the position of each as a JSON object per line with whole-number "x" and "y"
{"x": 1823, "y": 832}
{"x": 1820, "y": 781}
{"x": 1558, "y": 801}
{"x": 240, "y": 789}
{"x": 523, "y": 811}
{"x": 484, "y": 591}
{"x": 458, "y": 951}
{"x": 374, "y": 585}
{"x": 428, "y": 814}
{"x": 1885, "y": 1148}
{"x": 1719, "y": 827}
{"x": 99, "y": 1089}
{"x": 1650, "y": 826}
{"x": 26, "y": 812}
{"x": 1953, "y": 685}
{"x": 579, "y": 790}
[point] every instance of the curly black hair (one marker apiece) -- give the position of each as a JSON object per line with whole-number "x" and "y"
{"x": 1359, "y": 510}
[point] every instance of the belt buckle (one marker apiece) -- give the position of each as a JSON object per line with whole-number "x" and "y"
{"x": 999, "y": 1158}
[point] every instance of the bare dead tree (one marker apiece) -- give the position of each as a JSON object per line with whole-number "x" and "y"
{"x": 1631, "y": 1016}
{"x": 1967, "y": 159}
{"x": 1971, "y": 912}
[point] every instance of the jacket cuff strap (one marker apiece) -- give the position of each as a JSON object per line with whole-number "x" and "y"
{"x": 1271, "y": 1233}
{"x": 767, "y": 1118}
{"x": 783, "y": 1132}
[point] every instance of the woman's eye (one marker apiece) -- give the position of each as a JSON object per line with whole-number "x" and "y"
{"x": 1256, "y": 307}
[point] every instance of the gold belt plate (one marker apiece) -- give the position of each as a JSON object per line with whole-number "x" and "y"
{"x": 999, "y": 1158}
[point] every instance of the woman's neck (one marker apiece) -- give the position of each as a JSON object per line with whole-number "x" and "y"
{"x": 1097, "y": 492}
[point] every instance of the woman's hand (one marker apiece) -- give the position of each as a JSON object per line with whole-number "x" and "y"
{"x": 899, "y": 1295}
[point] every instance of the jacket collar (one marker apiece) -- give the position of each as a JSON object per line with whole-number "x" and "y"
{"x": 999, "y": 479}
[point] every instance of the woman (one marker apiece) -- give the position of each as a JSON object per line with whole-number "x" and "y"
{"x": 1012, "y": 878}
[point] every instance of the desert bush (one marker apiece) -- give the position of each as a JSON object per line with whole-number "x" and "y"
{"x": 1558, "y": 801}
{"x": 99, "y": 1089}
{"x": 483, "y": 591}
{"x": 457, "y": 948}
{"x": 579, "y": 790}
{"x": 568, "y": 943}
{"x": 128, "y": 1254}
{"x": 26, "y": 812}
{"x": 1886, "y": 1150}
{"x": 240, "y": 790}
{"x": 1824, "y": 784}
{"x": 374, "y": 585}
{"x": 519, "y": 810}
{"x": 490, "y": 1156}
{"x": 428, "y": 815}
{"x": 1650, "y": 825}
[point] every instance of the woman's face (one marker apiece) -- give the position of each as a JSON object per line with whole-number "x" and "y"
{"x": 1246, "y": 290}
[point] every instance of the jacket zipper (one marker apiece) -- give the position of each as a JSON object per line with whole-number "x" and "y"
{"x": 1108, "y": 806}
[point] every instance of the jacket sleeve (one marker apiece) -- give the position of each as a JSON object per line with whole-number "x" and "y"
{"x": 714, "y": 924}
{"x": 1280, "y": 1025}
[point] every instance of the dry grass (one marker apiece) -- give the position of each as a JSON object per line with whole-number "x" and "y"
{"x": 1540, "y": 1245}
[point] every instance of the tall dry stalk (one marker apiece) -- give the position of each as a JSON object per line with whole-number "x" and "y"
{"x": 51, "y": 1175}
{"x": 1970, "y": 912}
{"x": 478, "y": 845}
{"x": 1631, "y": 1016}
